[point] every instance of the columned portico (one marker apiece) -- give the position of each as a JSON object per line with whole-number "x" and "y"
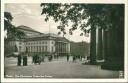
{"x": 109, "y": 47}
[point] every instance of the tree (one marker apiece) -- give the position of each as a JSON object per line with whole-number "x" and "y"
{"x": 82, "y": 15}
{"x": 12, "y": 32}
{"x": 107, "y": 16}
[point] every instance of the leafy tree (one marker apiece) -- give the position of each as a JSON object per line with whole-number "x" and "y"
{"x": 109, "y": 17}
{"x": 7, "y": 20}
{"x": 12, "y": 32}
{"x": 97, "y": 14}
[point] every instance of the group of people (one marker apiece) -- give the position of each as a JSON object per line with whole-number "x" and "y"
{"x": 22, "y": 59}
{"x": 38, "y": 58}
{"x": 77, "y": 57}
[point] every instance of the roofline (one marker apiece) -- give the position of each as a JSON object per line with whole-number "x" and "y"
{"x": 28, "y": 30}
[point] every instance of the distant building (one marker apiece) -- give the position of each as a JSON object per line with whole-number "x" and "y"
{"x": 36, "y": 42}
{"x": 80, "y": 48}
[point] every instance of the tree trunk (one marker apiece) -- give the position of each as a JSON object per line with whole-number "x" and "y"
{"x": 93, "y": 46}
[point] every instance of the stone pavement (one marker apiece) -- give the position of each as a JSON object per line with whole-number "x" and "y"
{"x": 56, "y": 69}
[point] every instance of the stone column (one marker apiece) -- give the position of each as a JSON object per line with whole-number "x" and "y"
{"x": 93, "y": 45}
{"x": 99, "y": 55}
{"x": 114, "y": 50}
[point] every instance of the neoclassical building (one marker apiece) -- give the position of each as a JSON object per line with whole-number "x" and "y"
{"x": 40, "y": 43}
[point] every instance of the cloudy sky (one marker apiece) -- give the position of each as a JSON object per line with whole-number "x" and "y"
{"x": 30, "y": 15}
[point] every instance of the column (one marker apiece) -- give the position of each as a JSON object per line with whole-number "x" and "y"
{"x": 99, "y": 55}
{"x": 93, "y": 45}
{"x": 114, "y": 52}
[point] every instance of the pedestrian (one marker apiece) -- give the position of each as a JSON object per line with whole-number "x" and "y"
{"x": 39, "y": 59}
{"x": 67, "y": 58}
{"x": 80, "y": 58}
{"x": 33, "y": 59}
{"x": 50, "y": 57}
{"x": 19, "y": 60}
{"x": 74, "y": 58}
{"x": 25, "y": 63}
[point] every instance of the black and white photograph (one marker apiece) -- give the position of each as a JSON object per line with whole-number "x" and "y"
{"x": 64, "y": 41}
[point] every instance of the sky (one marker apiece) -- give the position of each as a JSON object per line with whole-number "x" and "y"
{"x": 30, "y": 15}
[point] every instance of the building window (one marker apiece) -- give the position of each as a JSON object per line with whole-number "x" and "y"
{"x": 30, "y": 49}
{"x": 40, "y": 48}
{"x": 37, "y": 49}
{"x": 27, "y": 49}
{"x": 34, "y": 48}
{"x": 45, "y": 42}
{"x": 45, "y": 48}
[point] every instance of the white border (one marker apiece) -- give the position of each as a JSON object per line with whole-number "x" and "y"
{"x": 2, "y": 40}
{"x": 64, "y": 1}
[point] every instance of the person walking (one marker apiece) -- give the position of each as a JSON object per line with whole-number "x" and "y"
{"x": 33, "y": 58}
{"x": 19, "y": 60}
{"x": 25, "y": 63}
{"x": 74, "y": 58}
{"x": 39, "y": 59}
{"x": 67, "y": 58}
{"x": 50, "y": 58}
{"x": 81, "y": 58}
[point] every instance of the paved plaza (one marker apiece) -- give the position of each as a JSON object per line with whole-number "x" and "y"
{"x": 56, "y": 69}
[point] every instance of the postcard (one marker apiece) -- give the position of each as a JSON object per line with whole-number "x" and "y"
{"x": 64, "y": 41}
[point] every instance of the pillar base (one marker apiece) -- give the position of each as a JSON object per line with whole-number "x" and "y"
{"x": 110, "y": 66}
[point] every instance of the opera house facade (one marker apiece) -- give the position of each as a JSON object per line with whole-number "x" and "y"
{"x": 40, "y": 43}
